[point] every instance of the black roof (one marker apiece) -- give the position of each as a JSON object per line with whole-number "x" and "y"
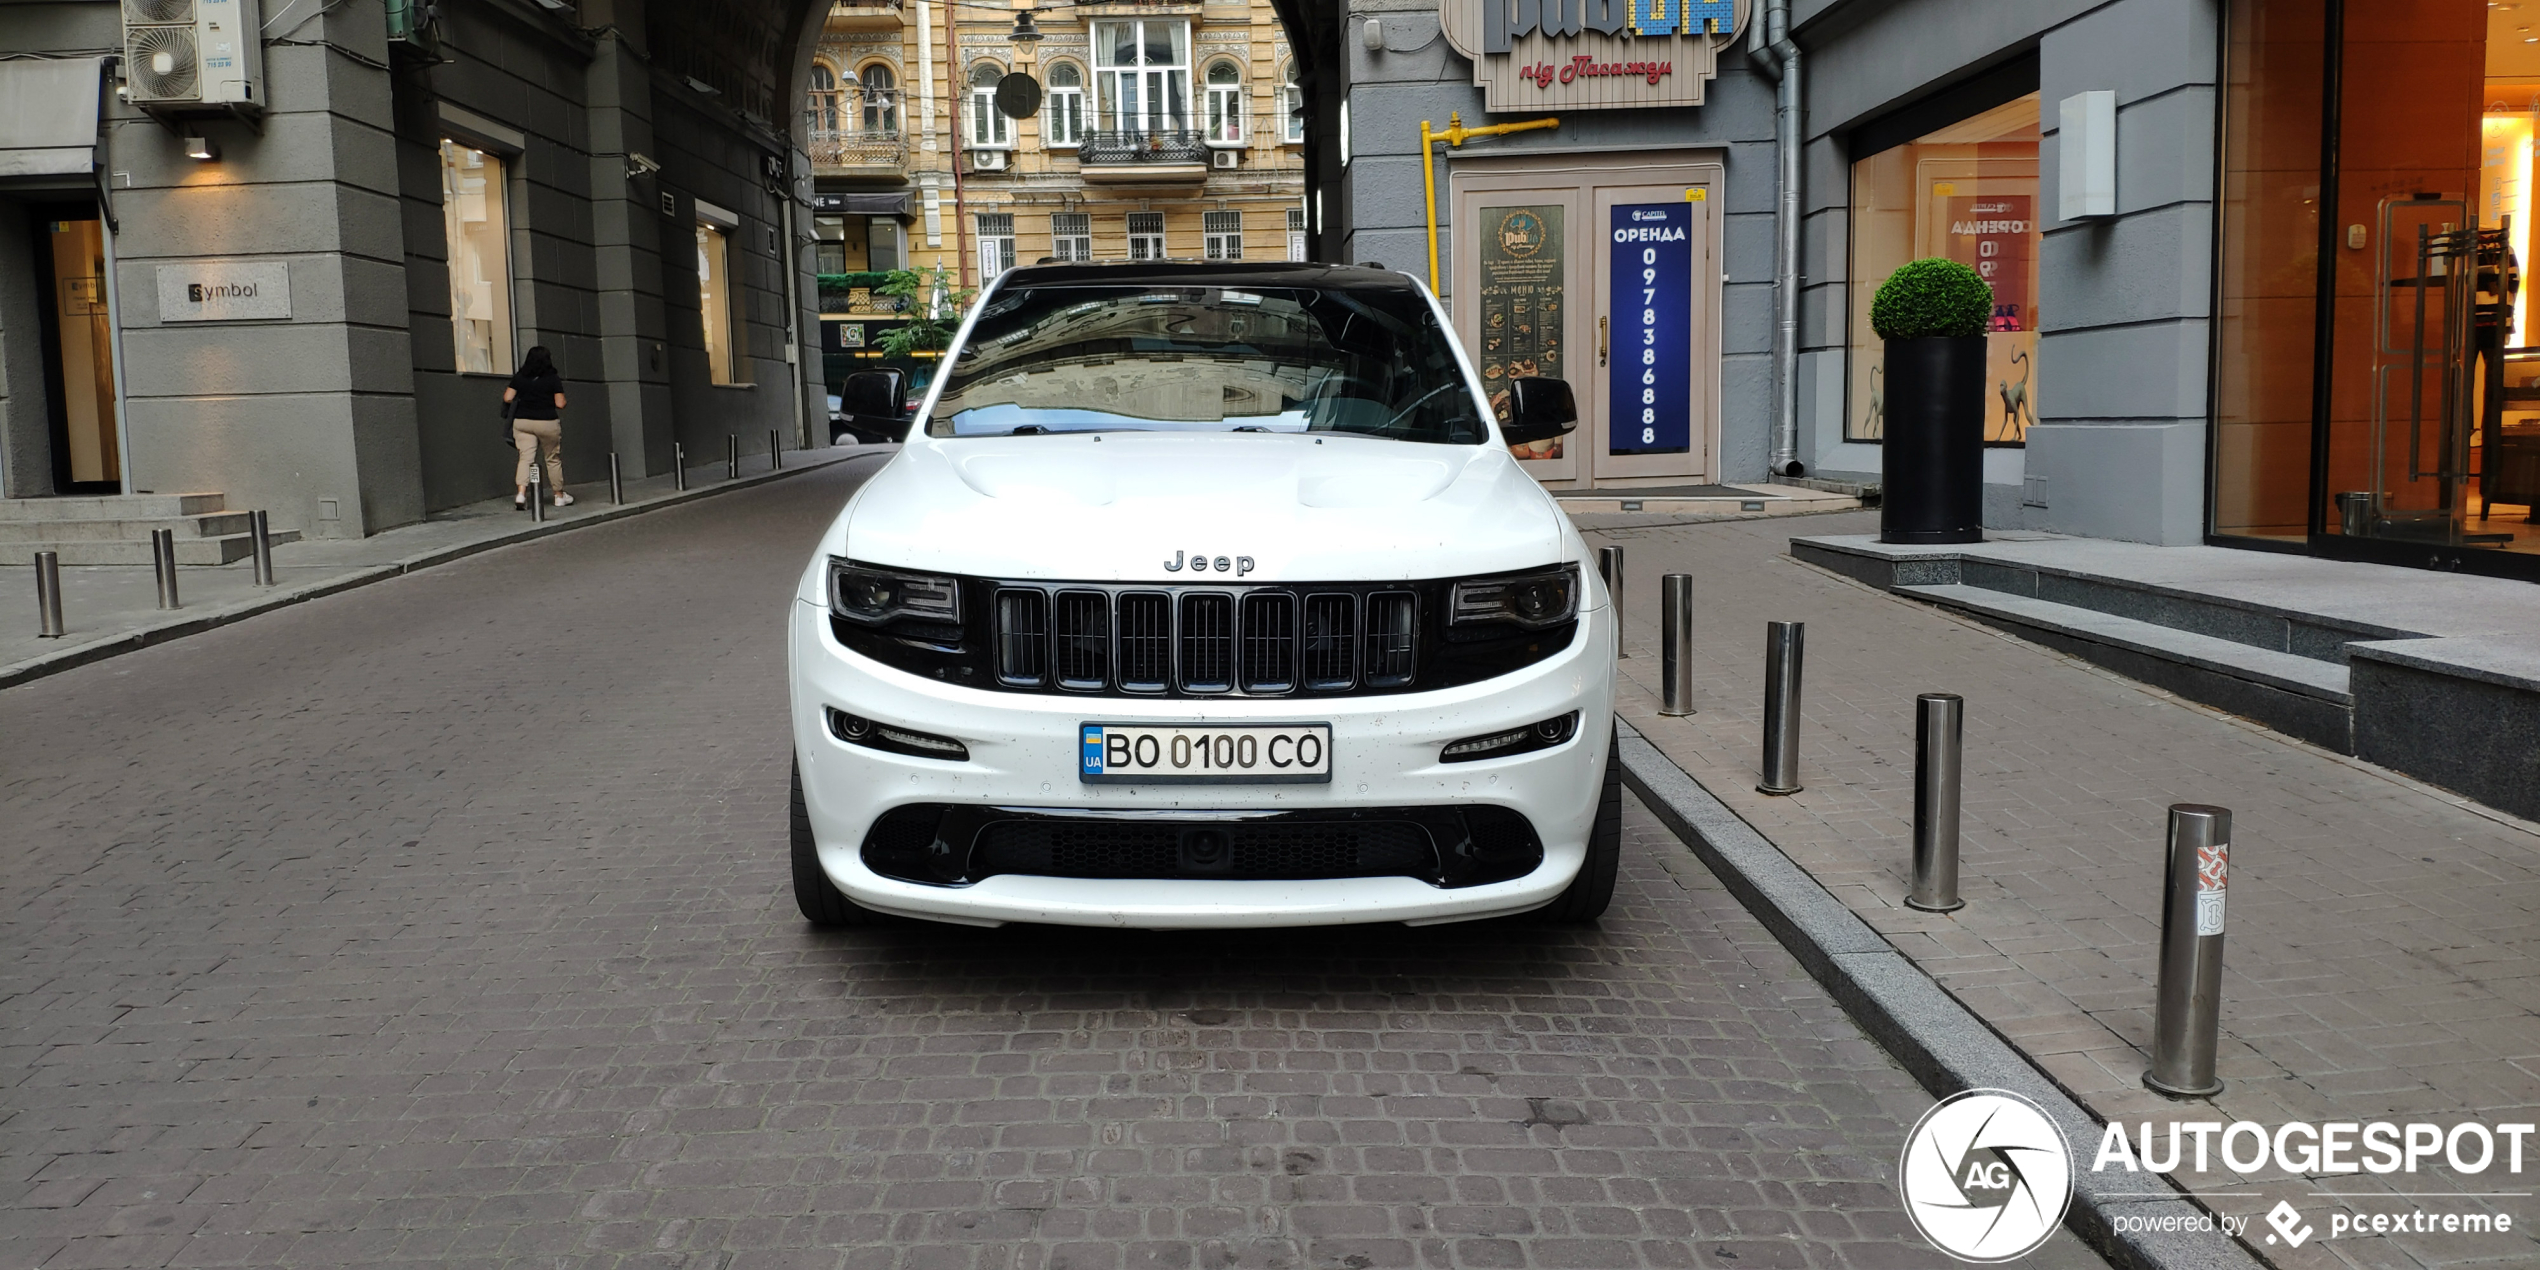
{"x": 1214, "y": 273}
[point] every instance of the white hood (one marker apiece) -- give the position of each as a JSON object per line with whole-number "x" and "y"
{"x": 1121, "y": 506}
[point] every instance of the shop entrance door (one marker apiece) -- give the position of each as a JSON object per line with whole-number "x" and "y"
{"x": 70, "y": 248}
{"x": 1603, "y": 273}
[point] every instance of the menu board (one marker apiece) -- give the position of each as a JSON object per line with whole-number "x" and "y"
{"x": 1651, "y": 286}
{"x": 1520, "y": 291}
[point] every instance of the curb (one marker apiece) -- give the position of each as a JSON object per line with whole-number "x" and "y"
{"x": 1944, "y": 1045}
{"x": 34, "y": 668}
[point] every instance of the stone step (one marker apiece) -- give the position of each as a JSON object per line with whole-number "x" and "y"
{"x": 2301, "y": 696}
{"x": 224, "y": 549}
{"x": 207, "y": 525}
{"x": 2255, "y": 623}
{"x": 109, "y": 507}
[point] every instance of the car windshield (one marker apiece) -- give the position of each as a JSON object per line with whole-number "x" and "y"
{"x": 1208, "y": 359}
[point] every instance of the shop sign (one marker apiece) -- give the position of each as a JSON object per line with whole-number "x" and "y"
{"x": 1651, "y": 283}
{"x": 1592, "y": 54}
{"x": 225, "y": 291}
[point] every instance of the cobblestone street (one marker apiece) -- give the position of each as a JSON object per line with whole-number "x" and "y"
{"x": 446, "y": 922}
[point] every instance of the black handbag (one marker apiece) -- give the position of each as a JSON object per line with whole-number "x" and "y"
{"x": 509, "y": 441}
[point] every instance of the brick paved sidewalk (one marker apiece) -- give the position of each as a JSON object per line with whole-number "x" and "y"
{"x": 110, "y": 609}
{"x": 2380, "y": 963}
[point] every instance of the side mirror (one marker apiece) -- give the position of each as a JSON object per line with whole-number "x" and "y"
{"x": 1539, "y": 409}
{"x": 871, "y": 392}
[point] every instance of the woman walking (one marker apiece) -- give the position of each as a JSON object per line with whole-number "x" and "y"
{"x": 536, "y": 398}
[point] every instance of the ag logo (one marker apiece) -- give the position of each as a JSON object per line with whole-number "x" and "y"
{"x": 1986, "y": 1176}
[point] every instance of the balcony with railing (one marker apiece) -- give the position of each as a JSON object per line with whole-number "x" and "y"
{"x": 1144, "y": 155}
{"x": 855, "y": 151}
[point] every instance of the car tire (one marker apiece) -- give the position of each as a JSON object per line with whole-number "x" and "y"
{"x": 822, "y": 903}
{"x": 1588, "y": 894}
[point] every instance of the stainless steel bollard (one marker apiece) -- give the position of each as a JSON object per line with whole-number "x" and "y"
{"x": 679, "y": 465}
{"x": 1609, "y": 566}
{"x": 2187, "y": 1014}
{"x": 1675, "y": 644}
{"x": 731, "y": 457}
{"x": 163, "y": 559}
{"x": 1784, "y": 642}
{"x": 48, "y": 594}
{"x": 260, "y": 536}
{"x": 1940, "y": 729}
{"x": 617, "y": 485}
{"x": 537, "y": 497}
{"x": 775, "y": 451}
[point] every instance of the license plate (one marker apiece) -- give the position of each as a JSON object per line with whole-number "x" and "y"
{"x": 1227, "y": 754}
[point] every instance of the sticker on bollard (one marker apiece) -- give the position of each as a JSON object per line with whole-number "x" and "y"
{"x": 2213, "y": 869}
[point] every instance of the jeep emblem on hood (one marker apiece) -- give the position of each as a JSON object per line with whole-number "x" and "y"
{"x": 1200, "y": 564}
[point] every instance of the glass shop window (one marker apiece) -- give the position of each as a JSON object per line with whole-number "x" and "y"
{"x": 478, "y": 233}
{"x": 1967, "y": 192}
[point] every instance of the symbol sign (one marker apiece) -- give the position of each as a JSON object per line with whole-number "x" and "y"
{"x": 1650, "y": 292}
{"x": 2213, "y": 870}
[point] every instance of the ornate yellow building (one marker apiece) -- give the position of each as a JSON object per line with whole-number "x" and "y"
{"x": 1164, "y": 130}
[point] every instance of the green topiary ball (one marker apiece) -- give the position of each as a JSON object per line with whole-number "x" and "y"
{"x": 1931, "y": 297}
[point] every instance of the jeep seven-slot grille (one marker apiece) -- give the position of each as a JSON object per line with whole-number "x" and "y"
{"x": 1260, "y": 641}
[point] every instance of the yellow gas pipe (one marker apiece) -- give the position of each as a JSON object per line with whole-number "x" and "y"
{"x": 1455, "y": 134}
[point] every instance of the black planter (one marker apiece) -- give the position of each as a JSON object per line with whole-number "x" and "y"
{"x": 1933, "y": 478}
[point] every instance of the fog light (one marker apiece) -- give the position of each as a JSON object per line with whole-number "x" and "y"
{"x": 858, "y": 730}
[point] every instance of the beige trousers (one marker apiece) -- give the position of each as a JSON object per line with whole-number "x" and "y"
{"x": 527, "y": 433}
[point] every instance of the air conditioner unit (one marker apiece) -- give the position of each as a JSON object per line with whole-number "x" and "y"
{"x": 987, "y": 160}
{"x": 1225, "y": 160}
{"x": 181, "y": 56}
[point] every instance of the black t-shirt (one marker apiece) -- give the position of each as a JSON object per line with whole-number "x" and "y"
{"x": 534, "y": 396}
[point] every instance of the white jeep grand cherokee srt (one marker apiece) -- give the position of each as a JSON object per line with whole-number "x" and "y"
{"x": 1204, "y": 596}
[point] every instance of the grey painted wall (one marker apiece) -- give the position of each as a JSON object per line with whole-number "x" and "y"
{"x": 2118, "y": 450}
{"x": 354, "y": 403}
{"x": 2119, "y": 446}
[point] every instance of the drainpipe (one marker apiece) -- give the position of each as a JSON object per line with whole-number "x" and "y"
{"x": 1778, "y": 59}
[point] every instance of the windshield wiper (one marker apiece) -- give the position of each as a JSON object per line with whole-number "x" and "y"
{"x": 1029, "y": 430}
{"x": 1249, "y": 427}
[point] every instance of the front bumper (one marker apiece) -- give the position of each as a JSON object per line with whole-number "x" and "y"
{"x": 1023, "y": 753}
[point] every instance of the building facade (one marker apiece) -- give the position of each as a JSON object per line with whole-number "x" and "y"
{"x": 1159, "y": 130}
{"x": 307, "y": 299}
{"x": 2185, "y": 348}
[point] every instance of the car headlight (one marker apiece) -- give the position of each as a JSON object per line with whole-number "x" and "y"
{"x": 1530, "y": 601}
{"x": 870, "y": 596}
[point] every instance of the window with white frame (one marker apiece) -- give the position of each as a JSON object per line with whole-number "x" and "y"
{"x": 479, "y": 236}
{"x": 1071, "y": 236}
{"x": 1222, "y": 235}
{"x": 989, "y": 128}
{"x": 824, "y": 99}
{"x": 996, "y": 244}
{"x": 1225, "y": 103}
{"x": 1064, "y": 114}
{"x": 1291, "y": 108}
{"x": 1142, "y": 75}
{"x": 1146, "y": 235}
{"x": 1296, "y": 233}
{"x": 878, "y": 90}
